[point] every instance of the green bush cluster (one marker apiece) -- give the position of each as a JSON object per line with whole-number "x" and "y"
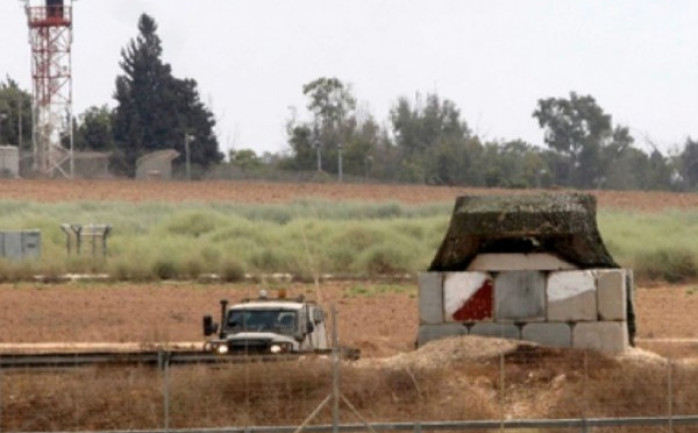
{"x": 306, "y": 238}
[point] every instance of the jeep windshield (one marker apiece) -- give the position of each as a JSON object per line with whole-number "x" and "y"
{"x": 263, "y": 320}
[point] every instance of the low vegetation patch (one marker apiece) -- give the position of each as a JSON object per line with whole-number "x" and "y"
{"x": 306, "y": 238}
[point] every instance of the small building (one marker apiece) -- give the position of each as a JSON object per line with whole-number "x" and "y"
{"x": 156, "y": 165}
{"x": 9, "y": 161}
{"x": 91, "y": 165}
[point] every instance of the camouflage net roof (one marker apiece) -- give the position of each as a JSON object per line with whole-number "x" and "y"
{"x": 559, "y": 224}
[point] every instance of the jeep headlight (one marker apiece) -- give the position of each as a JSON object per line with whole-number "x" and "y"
{"x": 280, "y": 348}
{"x": 223, "y": 348}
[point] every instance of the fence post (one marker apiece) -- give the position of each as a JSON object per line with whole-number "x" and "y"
{"x": 335, "y": 373}
{"x": 585, "y": 398}
{"x": 0, "y": 398}
{"x": 670, "y": 394}
{"x": 502, "y": 414}
{"x": 164, "y": 362}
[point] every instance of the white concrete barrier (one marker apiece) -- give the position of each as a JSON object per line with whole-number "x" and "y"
{"x": 431, "y": 298}
{"x": 612, "y": 294}
{"x": 608, "y": 337}
{"x": 497, "y": 262}
{"x": 549, "y": 334}
{"x": 519, "y": 296}
{"x": 428, "y": 333}
{"x": 572, "y": 296}
{"x": 500, "y": 330}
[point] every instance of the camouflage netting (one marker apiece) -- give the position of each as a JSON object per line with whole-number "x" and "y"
{"x": 559, "y": 224}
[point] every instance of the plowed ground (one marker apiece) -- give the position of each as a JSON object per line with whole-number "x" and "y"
{"x": 259, "y": 192}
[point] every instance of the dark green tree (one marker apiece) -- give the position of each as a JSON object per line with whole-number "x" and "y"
{"x": 435, "y": 143}
{"x": 335, "y": 126}
{"x": 245, "y": 159}
{"x": 303, "y": 151}
{"x": 15, "y": 112}
{"x": 583, "y": 135}
{"x": 331, "y": 102}
{"x": 688, "y": 161}
{"x": 156, "y": 110}
{"x": 515, "y": 164}
{"x": 94, "y": 130}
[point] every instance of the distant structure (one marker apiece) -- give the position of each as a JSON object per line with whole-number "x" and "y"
{"x": 156, "y": 165}
{"x": 50, "y": 36}
{"x": 9, "y": 161}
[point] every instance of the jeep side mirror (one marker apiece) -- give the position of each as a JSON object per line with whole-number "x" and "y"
{"x": 318, "y": 315}
{"x": 210, "y": 327}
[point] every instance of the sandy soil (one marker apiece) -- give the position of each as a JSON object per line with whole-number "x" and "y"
{"x": 380, "y": 324}
{"x": 261, "y": 192}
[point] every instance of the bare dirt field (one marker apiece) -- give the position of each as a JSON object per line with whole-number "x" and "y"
{"x": 380, "y": 323}
{"x": 264, "y": 192}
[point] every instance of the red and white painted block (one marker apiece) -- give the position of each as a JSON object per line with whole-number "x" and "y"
{"x": 468, "y": 296}
{"x": 571, "y": 296}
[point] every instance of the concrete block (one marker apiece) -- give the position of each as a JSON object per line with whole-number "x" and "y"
{"x": 429, "y": 333}
{"x": 491, "y": 329}
{"x": 548, "y": 334}
{"x": 607, "y": 337}
{"x": 519, "y": 296}
{"x": 496, "y": 262}
{"x": 572, "y": 296}
{"x": 611, "y": 294}
{"x": 468, "y": 296}
{"x": 431, "y": 297}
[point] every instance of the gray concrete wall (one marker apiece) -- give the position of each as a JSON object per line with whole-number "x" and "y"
{"x": 556, "y": 306}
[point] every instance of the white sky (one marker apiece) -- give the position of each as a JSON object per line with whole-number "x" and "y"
{"x": 493, "y": 58}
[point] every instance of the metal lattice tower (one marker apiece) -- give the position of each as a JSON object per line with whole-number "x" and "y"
{"x": 50, "y": 36}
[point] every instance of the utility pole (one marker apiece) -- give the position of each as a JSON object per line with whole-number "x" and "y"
{"x": 339, "y": 156}
{"x": 188, "y": 138}
{"x": 318, "y": 147}
{"x": 19, "y": 121}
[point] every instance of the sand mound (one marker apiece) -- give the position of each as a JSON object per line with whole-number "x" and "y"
{"x": 458, "y": 349}
{"x": 449, "y": 350}
{"x": 641, "y": 356}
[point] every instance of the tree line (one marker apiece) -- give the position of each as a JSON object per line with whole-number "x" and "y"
{"x": 425, "y": 141}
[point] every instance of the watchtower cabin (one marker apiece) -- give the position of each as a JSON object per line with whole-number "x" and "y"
{"x": 50, "y": 14}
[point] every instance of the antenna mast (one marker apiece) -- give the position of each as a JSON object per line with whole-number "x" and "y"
{"x": 50, "y": 37}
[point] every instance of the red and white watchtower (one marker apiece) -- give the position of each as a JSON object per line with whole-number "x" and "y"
{"x": 50, "y": 36}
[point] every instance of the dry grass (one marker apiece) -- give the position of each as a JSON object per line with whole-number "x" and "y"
{"x": 250, "y": 394}
{"x": 536, "y": 383}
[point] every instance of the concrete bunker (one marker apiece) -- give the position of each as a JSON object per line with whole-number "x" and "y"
{"x": 531, "y": 267}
